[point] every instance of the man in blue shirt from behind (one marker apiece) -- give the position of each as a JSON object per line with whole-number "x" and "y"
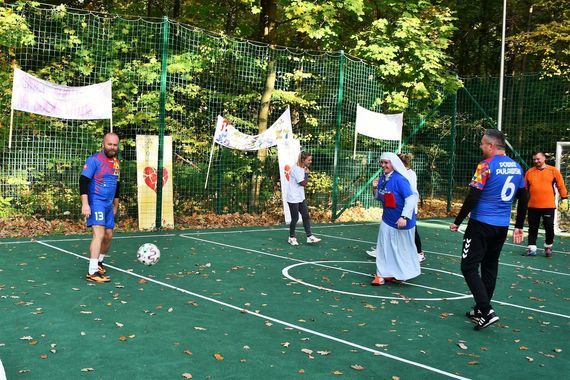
{"x": 497, "y": 181}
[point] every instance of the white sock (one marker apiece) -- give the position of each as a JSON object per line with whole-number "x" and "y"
{"x": 532, "y": 247}
{"x": 93, "y": 266}
{"x": 101, "y": 257}
{"x": 548, "y": 246}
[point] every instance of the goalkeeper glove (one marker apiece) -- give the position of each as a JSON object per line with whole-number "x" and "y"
{"x": 563, "y": 206}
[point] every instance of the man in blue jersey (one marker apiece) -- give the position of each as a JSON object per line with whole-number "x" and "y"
{"x": 496, "y": 182}
{"x": 99, "y": 188}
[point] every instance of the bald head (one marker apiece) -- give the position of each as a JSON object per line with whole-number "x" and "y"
{"x": 110, "y": 144}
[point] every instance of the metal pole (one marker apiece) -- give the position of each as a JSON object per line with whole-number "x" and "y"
{"x": 452, "y": 150}
{"x": 161, "y": 123}
{"x": 502, "y": 73}
{"x": 337, "y": 141}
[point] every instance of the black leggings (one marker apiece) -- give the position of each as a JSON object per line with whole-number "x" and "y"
{"x": 295, "y": 209}
{"x": 534, "y": 215}
{"x": 418, "y": 241}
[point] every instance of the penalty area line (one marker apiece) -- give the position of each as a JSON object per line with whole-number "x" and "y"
{"x": 267, "y": 317}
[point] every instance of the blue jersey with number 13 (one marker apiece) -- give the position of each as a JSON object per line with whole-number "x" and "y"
{"x": 499, "y": 178}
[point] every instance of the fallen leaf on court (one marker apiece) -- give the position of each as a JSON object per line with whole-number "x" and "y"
{"x": 357, "y": 367}
{"x": 285, "y": 344}
{"x": 76, "y": 289}
{"x": 529, "y": 359}
{"x": 218, "y": 356}
{"x": 337, "y": 372}
{"x": 123, "y": 338}
{"x": 268, "y": 324}
{"x": 323, "y": 353}
{"x": 523, "y": 348}
{"x": 186, "y": 375}
{"x": 24, "y": 371}
{"x": 246, "y": 347}
{"x": 87, "y": 370}
{"x": 199, "y": 328}
{"x": 43, "y": 356}
{"x": 395, "y": 378}
{"x": 301, "y": 371}
{"x": 462, "y": 345}
{"x": 119, "y": 324}
{"x": 395, "y": 302}
{"x": 86, "y": 312}
{"x": 444, "y": 315}
{"x": 141, "y": 281}
{"x": 473, "y": 362}
{"x": 307, "y": 351}
{"x": 188, "y": 352}
{"x": 369, "y": 306}
{"x": 557, "y": 350}
{"x": 170, "y": 309}
{"x": 380, "y": 345}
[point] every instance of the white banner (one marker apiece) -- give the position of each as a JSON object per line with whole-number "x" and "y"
{"x": 147, "y": 178}
{"x": 379, "y": 125}
{"x": 31, "y": 94}
{"x": 288, "y": 152}
{"x": 227, "y": 135}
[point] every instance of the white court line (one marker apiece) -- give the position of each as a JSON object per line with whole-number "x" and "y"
{"x": 455, "y": 256}
{"x": 301, "y": 261}
{"x": 269, "y": 229}
{"x": 85, "y": 239}
{"x": 285, "y": 273}
{"x": 266, "y": 317}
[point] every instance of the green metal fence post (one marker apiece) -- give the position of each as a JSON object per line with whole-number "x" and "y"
{"x": 337, "y": 141}
{"x": 161, "y": 123}
{"x": 452, "y": 150}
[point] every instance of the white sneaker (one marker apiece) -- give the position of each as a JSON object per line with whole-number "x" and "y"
{"x": 421, "y": 256}
{"x": 371, "y": 253}
{"x": 292, "y": 241}
{"x": 313, "y": 239}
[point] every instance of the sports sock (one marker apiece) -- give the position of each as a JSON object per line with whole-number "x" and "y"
{"x": 93, "y": 266}
{"x": 101, "y": 257}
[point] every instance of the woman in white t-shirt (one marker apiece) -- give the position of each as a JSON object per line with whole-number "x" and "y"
{"x": 298, "y": 178}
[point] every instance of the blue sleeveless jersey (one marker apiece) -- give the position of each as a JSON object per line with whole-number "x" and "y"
{"x": 499, "y": 178}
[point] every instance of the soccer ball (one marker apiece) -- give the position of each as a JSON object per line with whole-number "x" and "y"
{"x": 148, "y": 254}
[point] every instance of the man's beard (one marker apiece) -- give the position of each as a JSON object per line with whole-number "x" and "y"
{"x": 110, "y": 153}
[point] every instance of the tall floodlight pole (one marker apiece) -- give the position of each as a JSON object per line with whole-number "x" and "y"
{"x": 502, "y": 74}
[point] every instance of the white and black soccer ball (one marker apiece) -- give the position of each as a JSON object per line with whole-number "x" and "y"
{"x": 148, "y": 254}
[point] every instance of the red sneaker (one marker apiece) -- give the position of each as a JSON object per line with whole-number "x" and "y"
{"x": 378, "y": 280}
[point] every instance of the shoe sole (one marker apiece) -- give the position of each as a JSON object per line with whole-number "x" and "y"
{"x": 98, "y": 281}
{"x": 489, "y": 323}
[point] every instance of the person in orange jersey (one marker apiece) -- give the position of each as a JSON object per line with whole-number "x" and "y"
{"x": 541, "y": 180}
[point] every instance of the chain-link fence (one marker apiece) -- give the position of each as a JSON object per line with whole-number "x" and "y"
{"x": 174, "y": 79}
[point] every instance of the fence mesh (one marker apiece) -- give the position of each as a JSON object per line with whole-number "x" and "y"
{"x": 209, "y": 75}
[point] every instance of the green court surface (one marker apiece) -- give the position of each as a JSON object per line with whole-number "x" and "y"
{"x": 241, "y": 304}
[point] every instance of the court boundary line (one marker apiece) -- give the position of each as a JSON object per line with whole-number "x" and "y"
{"x": 298, "y": 260}
{"x": 34, "y": 240}
{"x": 266, "y": 317}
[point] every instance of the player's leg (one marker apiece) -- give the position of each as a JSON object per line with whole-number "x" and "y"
{"x": 418, "y": 241}
{"x": 294, "y": 210}
{"x": 472, "y": 253}
{"x": 304, "y": 211}
{"x": 97, "y": 223}
{"x": 533, "y": 223}
{"x": 490, "y": 262}
{"x": 548, "y": 224}
{"x": 106, "y": 244}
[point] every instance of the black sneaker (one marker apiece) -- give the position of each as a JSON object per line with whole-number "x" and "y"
{"x": 486, "y": 320}
{"x": 473, "y": 314}
{"x": 101, "y": 268}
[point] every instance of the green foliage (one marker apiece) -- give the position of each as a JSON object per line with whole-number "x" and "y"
{"x": 14, "y": 30}
{"x": 408, "y": 45}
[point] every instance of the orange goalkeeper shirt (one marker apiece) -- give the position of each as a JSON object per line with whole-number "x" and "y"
{"x": 540, "y": 185}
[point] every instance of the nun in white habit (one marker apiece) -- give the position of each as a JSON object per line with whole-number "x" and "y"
{"x": 396, "y": 257}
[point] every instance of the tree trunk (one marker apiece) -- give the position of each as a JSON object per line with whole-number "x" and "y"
{"x": 267, "y": 24}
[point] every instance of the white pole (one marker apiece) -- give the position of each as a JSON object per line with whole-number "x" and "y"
{"x": 502, "y": 74}
{"x": 11, "y": 124}
{"x": 210, "y": 163}
{"x": 111, "y": 123}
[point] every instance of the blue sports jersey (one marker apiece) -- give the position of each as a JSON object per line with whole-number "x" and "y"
{"x": 104, "y": 174}
{"x": 396, "y": 188}
{"x": 499, "y": 178}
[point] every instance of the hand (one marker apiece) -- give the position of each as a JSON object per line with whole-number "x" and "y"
{"x": 86, "y": 210}
{"x": 401, "y": 223}
{"x": 563, "y": 206}
{"x": 375, "y": 183}
{"x": 518, "y": 235}
{"x": 453, "y": 227}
